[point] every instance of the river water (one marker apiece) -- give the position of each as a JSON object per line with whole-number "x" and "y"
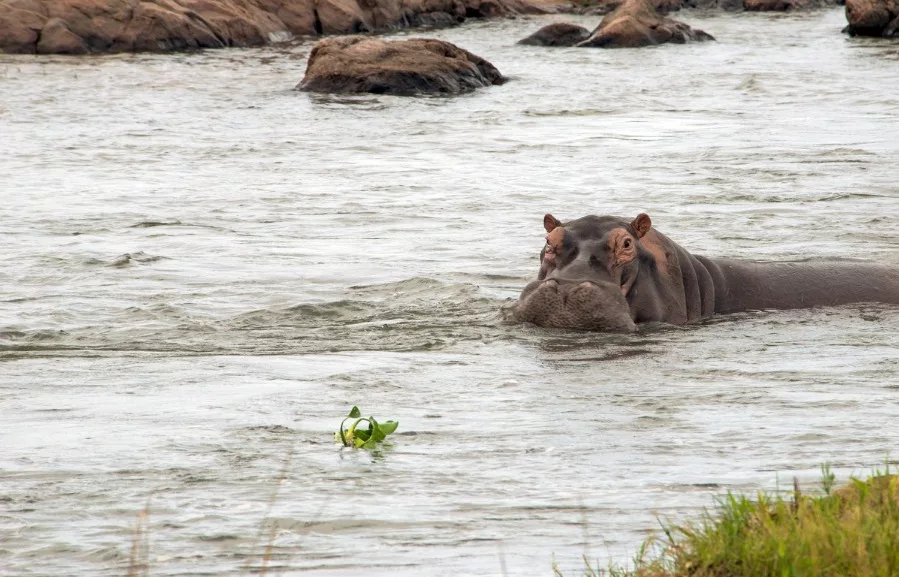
{"x": 203, "y": 270}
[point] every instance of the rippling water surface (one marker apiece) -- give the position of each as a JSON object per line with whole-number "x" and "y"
{"x": 203, "y": 270}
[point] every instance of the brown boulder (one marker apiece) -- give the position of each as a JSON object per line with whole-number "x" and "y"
{"x": 56, "y": 38}
{"x": 558, "y": 34}
{"x": 19, "y": 26}
{"x": 636, "y": 23}
{"x": 873, "y": 18}
{"x": 353, "y": 64}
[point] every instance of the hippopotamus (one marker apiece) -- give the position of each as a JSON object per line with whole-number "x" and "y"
{"x": 609, "y": 273}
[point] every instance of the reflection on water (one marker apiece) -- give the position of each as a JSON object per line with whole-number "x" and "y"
{"x": 204, "y": 269}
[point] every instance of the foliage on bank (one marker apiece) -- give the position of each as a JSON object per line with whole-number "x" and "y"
{"x": 853, "y": 531}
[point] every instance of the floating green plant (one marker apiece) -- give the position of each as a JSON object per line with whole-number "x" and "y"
{"x": 371, "y": 433}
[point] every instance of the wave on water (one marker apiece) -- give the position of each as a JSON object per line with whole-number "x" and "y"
{"x": 414, "y": 314}
{"x": 129, "y": 258}
{"x": 175, "y": 223}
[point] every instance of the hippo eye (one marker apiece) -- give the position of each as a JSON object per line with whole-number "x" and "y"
{"x": 627, "y": 243}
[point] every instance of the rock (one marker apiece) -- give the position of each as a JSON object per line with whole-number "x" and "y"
{"x": 726, "y": 5}
{"x": 558, "y": 34}
{"x": 56, "y": 38}
{"x": 636, "y": 23}
{"x": 873, "y": 18}
{"x": 81, "y": 26}
{"x": 19, "y": 27}
{"x": 760, "y": 5}
{"x": 353, "y": 64}
{"x": 666, "y": 6}
{"x": 495, "y": 8}
{"x": 662, "y": 6}
{"x": 774, "y": 5}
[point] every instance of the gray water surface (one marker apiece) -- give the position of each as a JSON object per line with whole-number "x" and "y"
{"x": 203, "y": 270}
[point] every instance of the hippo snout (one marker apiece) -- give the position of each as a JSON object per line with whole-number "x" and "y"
{"x": 582, "y": 305}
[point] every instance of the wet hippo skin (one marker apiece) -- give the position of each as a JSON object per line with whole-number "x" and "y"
{"x": 608, "y": 273}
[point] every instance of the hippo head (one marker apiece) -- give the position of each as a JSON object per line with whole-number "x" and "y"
{"x": 588, "y": 269}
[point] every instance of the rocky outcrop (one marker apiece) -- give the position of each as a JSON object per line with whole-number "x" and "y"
{"x": 873, "y": 18}
{"x": 83, "y": 26}
{"x": 356, "y": 64}
{"x": 636, "y": 23}
{"x": 558, "y": 34}
{"x": 661, "y": 6}
{"x": 633, "y": 24}
{"x": 96, "y": 26}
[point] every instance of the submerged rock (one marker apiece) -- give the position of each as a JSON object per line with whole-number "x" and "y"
{"x": 558, "y": 34}
{"x": 873, "y": 18}
{"x": 353, "y": 64}
{"x": 96, "y": 26}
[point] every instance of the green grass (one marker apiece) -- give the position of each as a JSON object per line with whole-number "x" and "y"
{"x": 853, "y": 531}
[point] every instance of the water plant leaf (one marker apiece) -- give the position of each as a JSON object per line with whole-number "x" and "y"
{"x": 377, "y": 434}
{"x": 345, "y": 436}
{"x": 368, "y": 435}
{"x": 388, "y": 427}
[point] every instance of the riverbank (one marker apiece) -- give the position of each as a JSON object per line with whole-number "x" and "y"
{"x": 851, "y": 531}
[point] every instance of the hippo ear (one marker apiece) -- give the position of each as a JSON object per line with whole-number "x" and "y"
{"x": 551, "y": 223}
{"x": 641, "y": 224}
